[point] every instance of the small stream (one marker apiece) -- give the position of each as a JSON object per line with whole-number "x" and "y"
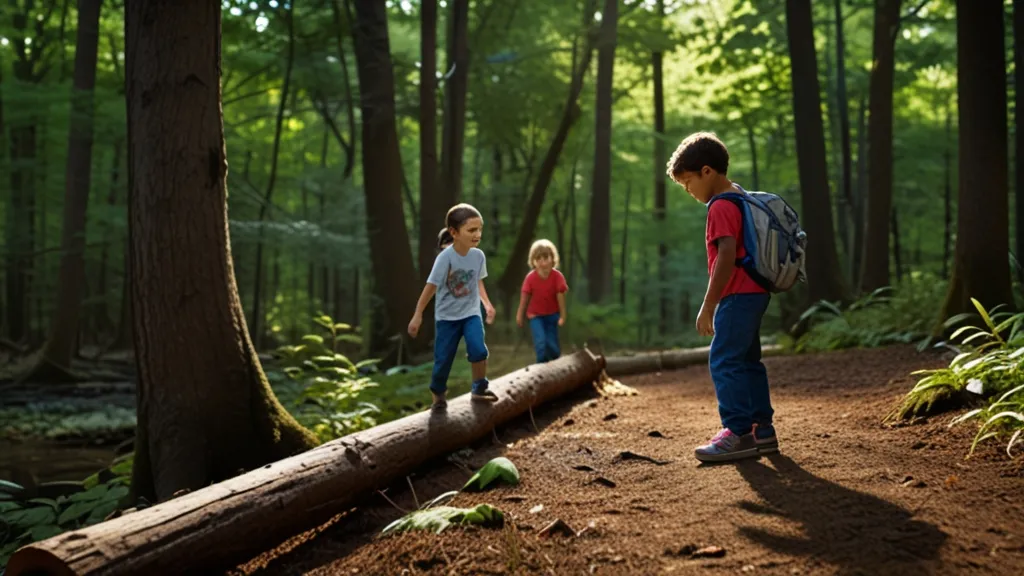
{"x": 48, "y": 461}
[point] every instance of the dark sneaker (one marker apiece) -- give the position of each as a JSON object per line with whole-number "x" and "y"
{"x": 765, "y": 439}
{"x": 726, "y": 447}
{"x": 484, "y": 395}
{"x": 440, "y": 402}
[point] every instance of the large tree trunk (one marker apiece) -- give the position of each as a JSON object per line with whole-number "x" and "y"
{"x": 395, "y": 285}
{"x": 660, "y": 204}
{"x": 859, "y": 192}
{"x": 220, "y": 526}
{"x": 663, "y": 361}
{"x": 453, "y": 138}
{"x": 980, "y": 267}
{"x": 1018, "y": 123}
{"x": 55, "y": 362}
{"x": 875, "y": 266}
{"x": 824, "y": 278}
{"x": 599, "y": 238}
{"x": 256, "y": 331}
{"x": 511, "y": 278}
{"x": 947, "y": 194}
{"x": 205, "y": 409}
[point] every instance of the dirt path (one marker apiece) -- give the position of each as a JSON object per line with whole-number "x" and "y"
{"x": 846, "y": 495}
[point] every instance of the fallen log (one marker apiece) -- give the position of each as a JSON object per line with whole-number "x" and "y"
{"x": 667, "y": 360}
{"x": 225, "y": 524}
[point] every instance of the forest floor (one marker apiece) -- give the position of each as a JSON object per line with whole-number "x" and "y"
{"x": 847, "y": 495}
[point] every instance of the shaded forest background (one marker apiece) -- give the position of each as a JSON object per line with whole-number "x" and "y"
{"x": 555, "y": 119}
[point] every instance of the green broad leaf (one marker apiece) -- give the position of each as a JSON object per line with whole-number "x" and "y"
{"x": 122, "y": 468}
{"x": 91, "y": 481}
{"x": 44, "y": 502}
{"x": 95, "y": 493}
{"x": 11, "y": 488}
{"x": 101, "y": 511}
{"x": 342, "y": 327}
{"x": 76, "y": 511}
{"x": 44, "y": 531}
{"x": 438, "y": 519}
{"x": 31, "y": 517}
{"x": 500, "y": 468}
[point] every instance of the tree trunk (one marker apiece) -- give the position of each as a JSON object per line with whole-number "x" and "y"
{"x": 649, "y": 362}
{"x": 432, "y": 210}
{"x": 875, "y": 266}
{"x": 980, "y": 267}
{"x": 55, "y": 362}
{"x": 843, "y": 108}
{"x": 205, "y": 409}
{"x": 897, "y": 251}
{"x": 510, "y": 280}
{"x": 453, "y": 138}
{"x": 660, "y": 204}
{"x": 220, "y": 526}
{"x": 859, "y": 193}
{"x": 623, "y": 254}
{"x": 947, "y": 220}
{"x": 1018, "y": 124}
{"x": 494, "y": 228}
{"x": 256, "y": 331}
{"x": 395, "y": 285}
{"x": 103, "y": 322}
{"x": 824, "y": 280}
{"x": 599, "y": 237}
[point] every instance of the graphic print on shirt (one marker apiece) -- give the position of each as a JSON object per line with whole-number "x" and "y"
{"x": 460, "y": 282}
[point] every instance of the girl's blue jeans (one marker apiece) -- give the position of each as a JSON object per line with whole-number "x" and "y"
{"x": 545, "y": 337}
{"x": 741, "y": 381}
{"x": 446, "y": 343}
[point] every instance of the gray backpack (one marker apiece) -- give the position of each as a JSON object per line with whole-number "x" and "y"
{"x": 772, "y": 237}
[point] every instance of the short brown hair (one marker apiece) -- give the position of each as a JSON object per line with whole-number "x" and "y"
{"x": 696, "y": 151}
{"x": 543, "y": 248}
{"x": 459, "y": 214}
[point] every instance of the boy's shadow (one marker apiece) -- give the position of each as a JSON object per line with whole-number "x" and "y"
{"x": 854, "y": 531}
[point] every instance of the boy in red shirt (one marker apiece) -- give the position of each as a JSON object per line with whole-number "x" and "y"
{"x": 732, "y": 310}
{"x": 544, "y": 288}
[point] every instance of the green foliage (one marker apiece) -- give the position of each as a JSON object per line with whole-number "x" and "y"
{"x": 886, "y": 316}
{"x": 64, "y": 419}
{"x": 499, "y": 469}
{"x": 26, "y": 519}
{"x": 990, "y": 368}
{"x": 436, "y": 520}
{"x": 330, "y": 385}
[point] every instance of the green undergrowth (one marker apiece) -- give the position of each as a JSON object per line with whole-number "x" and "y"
{"x": 898, "y": 315}
{"x": 986, "y": 375}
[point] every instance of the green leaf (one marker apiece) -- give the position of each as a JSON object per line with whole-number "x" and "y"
{"x": 440, "y": 498}
{"x": 96, "y": 493}
{"x": 11, "y": 488}
{"x": 45, "y": 502}
{"x": 76, "y": 511}
{"x": 102, "y": 511}
{"x": 44, "y": 531}
{"x": 31, "y": 517}
{"x": 438, "y": 519}
{"x": 500, "y": 468}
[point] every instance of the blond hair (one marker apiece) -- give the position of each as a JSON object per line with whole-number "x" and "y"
{"x": 543, "y": 247}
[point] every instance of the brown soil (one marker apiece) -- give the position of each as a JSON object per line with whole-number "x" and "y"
{"x": 847, "y": 495}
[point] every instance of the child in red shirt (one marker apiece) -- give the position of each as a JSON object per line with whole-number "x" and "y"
{"x": 732, "y": 310}
{"x": 544, "y": 288}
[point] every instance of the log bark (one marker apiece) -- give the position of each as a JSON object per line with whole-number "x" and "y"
{"x": 224, "y": 524}
{"x": 667, "y": 360}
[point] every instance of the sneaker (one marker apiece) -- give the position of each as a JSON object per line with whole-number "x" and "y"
{"x": 765, "y": 439}
{"x": 484, "y": 395}
{"x": 726, "y": 447}
{"x": 440, "y": 402}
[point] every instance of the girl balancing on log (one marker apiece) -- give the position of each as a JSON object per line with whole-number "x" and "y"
{"x": 458, "y": 280}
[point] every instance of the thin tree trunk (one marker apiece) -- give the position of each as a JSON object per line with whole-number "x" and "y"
{"x": 453, "y": 137}
{"x": 825, "y": 280}
{"x": 256, "y": 324}
{"x": 624, "y": 253}
{"x": 432, "y": 210}
{"x": 103, "y": 322}
{"x": 494, "y": 228}
{"x": 897, "y": 251}
{"x": 980, "y": 268}
{"x": 509, "y": 282}
{"x": 599, "y": 241}
{"x": 205, "y": 409}
{"x": 660, "y": 203}
{"x": 860, "y": 192}
{"x": 875, "y": 266}
{"x": 947, "y": 160}
{"x": 846, "y": 175}
{"x": 395, "y": 285}
{"x": 61, "y": 345}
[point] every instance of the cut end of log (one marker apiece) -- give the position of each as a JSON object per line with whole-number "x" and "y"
{"x": 32, "y": 560}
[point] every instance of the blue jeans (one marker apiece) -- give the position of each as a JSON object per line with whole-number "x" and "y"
{"x": 545, "y": 337}
{"x": 741, "y": 381}
{"x": 446, "y": 343}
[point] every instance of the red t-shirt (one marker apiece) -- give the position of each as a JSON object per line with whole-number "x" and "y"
{"x": 543, "y": 292}
{"x": 724, "y": 219}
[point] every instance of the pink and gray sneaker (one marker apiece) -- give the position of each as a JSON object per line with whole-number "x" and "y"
{"x": 726, "y": 447}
